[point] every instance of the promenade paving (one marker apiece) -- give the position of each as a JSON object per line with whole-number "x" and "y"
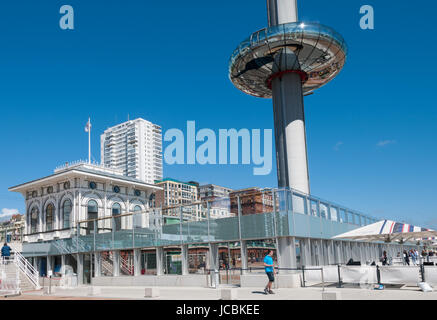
{"x": 190, "y": 293}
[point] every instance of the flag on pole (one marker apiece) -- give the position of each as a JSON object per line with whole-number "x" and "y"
{"x": 88, "y": 126}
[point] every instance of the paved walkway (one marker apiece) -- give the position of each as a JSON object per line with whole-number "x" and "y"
{"x": 189, "y": 293}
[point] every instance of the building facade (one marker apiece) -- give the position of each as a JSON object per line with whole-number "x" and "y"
{"x": 252, "y": 201}
{"x": 13, "y": 230}
{"x": 212, "y": 191}
{"x": 56, "y": 204}
{"x": 135, "y": 148}
{"x": 176, "y": 193}
{"x": 218, "y": 198}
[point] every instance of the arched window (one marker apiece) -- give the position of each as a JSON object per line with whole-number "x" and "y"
{"x": 92, "y": 213}
{"x": 137, "y": 217}
{"x": 116, "y": 211}
{"x": 34, "y": 220}
{"x": 66, "y": 212}
{"x": 50, "y": 211}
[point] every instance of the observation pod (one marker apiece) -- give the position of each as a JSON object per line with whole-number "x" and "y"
{"x": 286, "y": 61}
{"x": 320, "y": 52}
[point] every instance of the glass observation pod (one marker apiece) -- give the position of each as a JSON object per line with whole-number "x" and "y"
{"x": 321, "y": 53}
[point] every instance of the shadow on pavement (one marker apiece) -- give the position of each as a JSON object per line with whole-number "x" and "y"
{"x": 259, "y": 292}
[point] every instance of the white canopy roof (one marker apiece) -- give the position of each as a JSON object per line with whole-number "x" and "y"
{"x": 387, "y": 230}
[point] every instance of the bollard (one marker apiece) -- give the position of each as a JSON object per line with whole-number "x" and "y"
{"x": 323, "y": 281}
{"x": 228, "y": 294}
{"x": 151, "y": 292}
{"x": 216, "y": 278}
{"x": 331, "y": 295}
{"x": 422, "y": 272}
{"x": 378, "y": 275}
{"x": 340, "y": 283}
{"x": 50, "y": 285}
{"x": 303, "y": 276}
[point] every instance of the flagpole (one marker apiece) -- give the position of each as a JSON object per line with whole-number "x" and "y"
{"x": 89, "y": 140}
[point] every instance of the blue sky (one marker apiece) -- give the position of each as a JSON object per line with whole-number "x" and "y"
{"x": 371, "y": 132}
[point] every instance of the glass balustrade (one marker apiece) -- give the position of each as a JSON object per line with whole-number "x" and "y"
{"x": 255, "y": 214}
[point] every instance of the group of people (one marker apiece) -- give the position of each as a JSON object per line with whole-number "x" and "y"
{"x": 410, "y": 255}
{"x": 413, "y": 256}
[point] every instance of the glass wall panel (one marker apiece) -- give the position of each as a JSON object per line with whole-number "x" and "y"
{"x": 343, "y": 216}
{"x": 107, "y": 263}
{"x": 197, "y": 259}
{"x": 334, "y": 213}
{"x": 172, "y": 261}
{"x": 148, "y": 262}
{"x": 314, "y": 208}
{"x": 298, "y": 204}
{"x": 323, "y": 210}
{"x": 126, "y": 262}
{"x": 257, "y": 226}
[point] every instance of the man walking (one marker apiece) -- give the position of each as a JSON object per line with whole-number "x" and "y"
{"x": 269, "y": 268}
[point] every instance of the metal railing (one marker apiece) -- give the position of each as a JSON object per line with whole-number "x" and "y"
{"x": 214, "y": 278}
{"x": 26, "y": 267}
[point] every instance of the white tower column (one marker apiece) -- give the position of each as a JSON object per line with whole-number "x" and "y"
{"x": 287, "y": 94}
{"x": 281, "y": 11}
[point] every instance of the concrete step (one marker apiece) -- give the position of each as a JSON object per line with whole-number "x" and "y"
{"x": 10, "y": 272}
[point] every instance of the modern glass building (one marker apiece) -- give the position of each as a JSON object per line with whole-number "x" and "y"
{"x": 104, "y": 227}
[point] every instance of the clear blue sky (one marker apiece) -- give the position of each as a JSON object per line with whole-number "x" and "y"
{"x": 371, "y": 132}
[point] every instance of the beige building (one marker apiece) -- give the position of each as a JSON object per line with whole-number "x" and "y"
{"x": 175, "y": 193}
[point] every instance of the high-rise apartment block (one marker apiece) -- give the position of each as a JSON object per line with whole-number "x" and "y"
{"x": 135, "y": 147}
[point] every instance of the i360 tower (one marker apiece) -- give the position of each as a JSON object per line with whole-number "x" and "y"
{"x": 286, "y": 61}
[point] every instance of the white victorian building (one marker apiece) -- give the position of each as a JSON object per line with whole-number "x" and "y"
{"x": 81, "y": 192}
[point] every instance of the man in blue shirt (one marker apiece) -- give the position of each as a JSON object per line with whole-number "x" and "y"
{"x": 6, "y": 251}
{"x": 269, "y": 268}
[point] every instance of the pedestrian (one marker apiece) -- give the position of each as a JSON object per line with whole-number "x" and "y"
{"x": 413, "y": 257}
{"x": 416, "y": 253}
{"x": 384, "y": 258}
{"x": 269, "y": 268}
{"x": 6, "y": 251}
{"x": 406, "y": 258}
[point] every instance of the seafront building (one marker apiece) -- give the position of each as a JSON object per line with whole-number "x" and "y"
{"x": 218, "y": 199}
{"x": 173, "y": 193}
{"x": 211, "y": 191}
{"x": 13, "y": 229}
{"x": 99, "y": 226}
{"x": 135, "y": 148}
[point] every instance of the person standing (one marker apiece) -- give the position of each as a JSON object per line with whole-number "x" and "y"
{"x": 269, "y": 268}
{"x": 406, "y": 258}
{"x": 6, "y": 251}
{"x": 384, "y": 258}
{"x": 413, "y": 257}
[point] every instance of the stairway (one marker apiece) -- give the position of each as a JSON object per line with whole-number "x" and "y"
{"x": 10, "y": 271}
